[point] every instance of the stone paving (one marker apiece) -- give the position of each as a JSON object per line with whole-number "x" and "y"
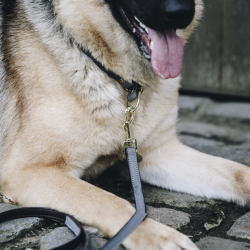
{"x": 220, "y": 129}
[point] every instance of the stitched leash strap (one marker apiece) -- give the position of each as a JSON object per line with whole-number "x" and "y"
{"x": 140, "y": 214}
{"x": 80, "y": 241}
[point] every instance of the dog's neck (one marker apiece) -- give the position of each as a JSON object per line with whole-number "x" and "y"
{"x": 105, "y": 39}
{"x": 81, "y": 74}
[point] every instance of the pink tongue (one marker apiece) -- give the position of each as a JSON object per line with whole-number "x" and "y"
{"x": 167, "y": 53}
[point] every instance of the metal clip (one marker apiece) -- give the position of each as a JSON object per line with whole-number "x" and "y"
{"x": 142, "y": 87}
{"x": 129, "y": 143}
{"x": 129, "y": 117}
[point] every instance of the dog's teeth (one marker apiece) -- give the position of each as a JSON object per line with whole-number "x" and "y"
{"x": 134, "y": 30}
{"x": 152, "y": 45}
{"x": 143, "y": 26}
{"x": 137, "y": 19}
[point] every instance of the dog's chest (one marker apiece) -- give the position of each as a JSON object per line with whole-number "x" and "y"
{"x": 104, "y": 117}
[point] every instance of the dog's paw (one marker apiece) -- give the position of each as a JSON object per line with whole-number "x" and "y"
{"x": 151, "y": 235}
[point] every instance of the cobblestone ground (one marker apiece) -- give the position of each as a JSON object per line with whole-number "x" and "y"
{"x": 221, "y": 129}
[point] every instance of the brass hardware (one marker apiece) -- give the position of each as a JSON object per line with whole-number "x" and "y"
{"x": 138, "y": 101}
{"x": 142, "y": 87}
{"x": 129, "y": 118}
{"x": 129, "y": 143}
{"x": 139, "y": 157}
{"x": 121, "y": 80}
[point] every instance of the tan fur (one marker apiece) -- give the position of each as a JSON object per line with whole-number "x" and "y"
{"x": 64, "y": 119}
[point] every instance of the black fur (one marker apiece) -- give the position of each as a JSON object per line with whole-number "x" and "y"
{"x": 157, "y": 14}
{"x": 116, "y": 13}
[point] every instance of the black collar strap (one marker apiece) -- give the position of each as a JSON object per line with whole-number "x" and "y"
{"x": 132, "y": 88}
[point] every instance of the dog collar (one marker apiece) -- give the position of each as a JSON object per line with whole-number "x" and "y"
{"x": 133, "y": 88}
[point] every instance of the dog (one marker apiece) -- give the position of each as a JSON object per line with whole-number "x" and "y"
{"x": 62, "y": 116}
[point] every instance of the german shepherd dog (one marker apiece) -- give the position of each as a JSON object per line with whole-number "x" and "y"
{"x": 62, "y": 116}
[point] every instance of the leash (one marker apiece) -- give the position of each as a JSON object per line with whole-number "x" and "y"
{"x": 80, "y": 240}
{"x": 133, "y": 157}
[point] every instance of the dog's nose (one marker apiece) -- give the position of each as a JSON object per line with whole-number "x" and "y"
{"x": 178, "y": 14}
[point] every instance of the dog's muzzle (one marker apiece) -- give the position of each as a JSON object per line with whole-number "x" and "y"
{"x": 177, "y": 14}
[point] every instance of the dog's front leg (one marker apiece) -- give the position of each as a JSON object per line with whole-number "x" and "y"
{"x": 53, "y": 187}
{"x": 178, "y": 167}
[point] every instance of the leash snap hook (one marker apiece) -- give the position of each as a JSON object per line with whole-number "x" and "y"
{"x": 130, "y": 141}
{"x": 129, "y": 118}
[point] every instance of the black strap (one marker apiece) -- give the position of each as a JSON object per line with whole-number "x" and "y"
{"x": 132, "y": 88}
{"x": 81, "y": 238}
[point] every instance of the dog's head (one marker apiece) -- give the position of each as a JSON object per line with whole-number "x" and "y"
{"x": 107, "y": 27}
{"x": 153, "y": 24}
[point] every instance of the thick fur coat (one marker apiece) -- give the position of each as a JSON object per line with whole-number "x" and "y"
{"x": 62, "y": 118}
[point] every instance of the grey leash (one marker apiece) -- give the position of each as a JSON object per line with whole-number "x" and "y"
{"x": 140, "y": 214}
